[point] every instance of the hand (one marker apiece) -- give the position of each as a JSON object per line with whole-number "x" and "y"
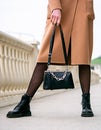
{"x": 56, "y": 16}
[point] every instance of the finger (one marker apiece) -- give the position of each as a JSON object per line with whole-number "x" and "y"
{"x": 58, "y": 21}
{"x": 54, "y": 19}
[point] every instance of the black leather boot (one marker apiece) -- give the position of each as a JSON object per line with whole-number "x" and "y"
{"x": 22, "y": 109}
{"x": 86, "y": 107}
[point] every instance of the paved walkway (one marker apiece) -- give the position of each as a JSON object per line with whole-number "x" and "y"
{"x": 57, "y": 112}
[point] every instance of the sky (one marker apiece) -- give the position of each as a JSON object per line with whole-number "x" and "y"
{"x": 26, "y": 20}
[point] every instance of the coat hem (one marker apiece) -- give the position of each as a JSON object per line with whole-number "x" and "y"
{"x": 72, "y": 64}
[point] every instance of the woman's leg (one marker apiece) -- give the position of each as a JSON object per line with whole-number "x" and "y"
{"x": 23, "y": 107}
{"x": 36, "y": 79}
{"x": 85, "y": 79}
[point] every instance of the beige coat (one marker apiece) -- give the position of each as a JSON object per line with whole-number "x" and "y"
{"x": 77, "y": 24}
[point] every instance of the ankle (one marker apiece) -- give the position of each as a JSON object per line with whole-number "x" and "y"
{"x": 26, "y": 97}
{"x": 85, "y": 93}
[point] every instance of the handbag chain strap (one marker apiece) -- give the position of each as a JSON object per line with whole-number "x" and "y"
{"x": 61, "y": 78}
{"x": 52, "y": 43}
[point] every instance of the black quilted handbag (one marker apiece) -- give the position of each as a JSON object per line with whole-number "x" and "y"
{"x": 57, "y": 79}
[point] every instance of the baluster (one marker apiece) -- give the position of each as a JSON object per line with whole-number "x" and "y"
{"x": 15, "y": 70}
{"x": 6, "y": 87}
{"x": 27, "y": 67}
{"x": 18, "y": 69}
{"x": 23, "y": 69}
{"x": 2, "y": 69}
{"x": 12, "y": 69}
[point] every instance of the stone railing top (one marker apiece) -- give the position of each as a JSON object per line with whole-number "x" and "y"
{"x": 5, "y": 38}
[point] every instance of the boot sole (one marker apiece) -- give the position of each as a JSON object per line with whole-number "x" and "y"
{"x": 87, "y": 115}
{"x": 19, "y": 115}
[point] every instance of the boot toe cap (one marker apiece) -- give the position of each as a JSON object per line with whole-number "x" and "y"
{"x": 87, "y": 113}
{"x": 12, "y": 114}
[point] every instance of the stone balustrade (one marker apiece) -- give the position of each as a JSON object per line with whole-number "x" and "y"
{"x": 17, "y": 60}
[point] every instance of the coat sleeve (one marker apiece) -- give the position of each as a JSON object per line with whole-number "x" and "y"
{"x": 54, "y": 4}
